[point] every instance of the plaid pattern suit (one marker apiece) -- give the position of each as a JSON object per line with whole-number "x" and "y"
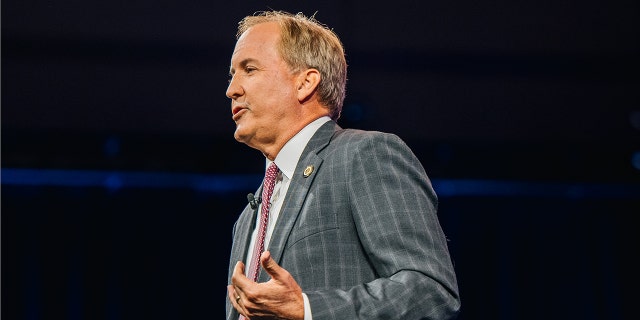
{"x": 360, "y": 235}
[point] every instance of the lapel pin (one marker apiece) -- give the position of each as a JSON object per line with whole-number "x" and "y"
{"x": 307, "y": 171}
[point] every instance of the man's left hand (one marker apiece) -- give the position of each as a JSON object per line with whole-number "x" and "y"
{"x": 278, "y": 298}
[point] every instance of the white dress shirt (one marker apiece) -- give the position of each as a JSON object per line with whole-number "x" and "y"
{"x": 286, "y": 160}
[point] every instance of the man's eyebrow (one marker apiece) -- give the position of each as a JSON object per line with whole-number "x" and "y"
{"x": 242, "y": 64}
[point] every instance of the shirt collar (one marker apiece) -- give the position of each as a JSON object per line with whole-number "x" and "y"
{"x": 288, "y": 157}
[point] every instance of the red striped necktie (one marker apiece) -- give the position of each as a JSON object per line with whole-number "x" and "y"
{"x": 267, "y": 190}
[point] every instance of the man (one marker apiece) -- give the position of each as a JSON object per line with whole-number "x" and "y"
{"x": 349, "y": 228}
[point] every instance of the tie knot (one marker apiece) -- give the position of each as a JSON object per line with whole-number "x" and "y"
{"x": 272, "y": 172}
{"x": 269, "y": 181}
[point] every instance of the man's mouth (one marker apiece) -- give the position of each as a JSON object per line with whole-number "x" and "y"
{"x": 237, "y": 112}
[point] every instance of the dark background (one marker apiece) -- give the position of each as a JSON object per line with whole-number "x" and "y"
{"x": 121, "y": 178}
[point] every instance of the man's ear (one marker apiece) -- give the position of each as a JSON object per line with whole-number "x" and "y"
{"x": 308, "y": 81}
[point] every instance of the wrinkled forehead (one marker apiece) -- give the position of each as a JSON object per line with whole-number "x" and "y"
{"x": 259, "y": 37}
{"x": 258, "y": 44}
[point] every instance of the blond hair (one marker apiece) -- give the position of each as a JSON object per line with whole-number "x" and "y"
{"x": 307, "y": 43}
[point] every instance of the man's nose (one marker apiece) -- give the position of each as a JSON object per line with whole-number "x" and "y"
{"x": 234, "y": 89}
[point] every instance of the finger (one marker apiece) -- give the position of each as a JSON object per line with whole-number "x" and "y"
{"x": 271, "y": 266}
{"x": 231, "y": 292}
{"x": 236, "y": 300}
{"x": 239, "y": 281}
{"x": 238, "y": 278}
{"x": 239, "y": 267}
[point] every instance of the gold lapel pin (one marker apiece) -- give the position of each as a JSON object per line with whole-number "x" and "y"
{"x": 308, "y": 171}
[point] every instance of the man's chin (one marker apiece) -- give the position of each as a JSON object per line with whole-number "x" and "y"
{"x": 239, "y": 136}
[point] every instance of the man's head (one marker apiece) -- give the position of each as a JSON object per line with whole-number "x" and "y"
{"x": 307, "y": 43}
{"x": 287, "y": 70}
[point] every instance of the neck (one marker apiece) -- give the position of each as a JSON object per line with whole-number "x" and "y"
{"x": 271, "y": 151}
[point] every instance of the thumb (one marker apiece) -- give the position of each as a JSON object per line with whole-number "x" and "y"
{"x": 270, "y": 265}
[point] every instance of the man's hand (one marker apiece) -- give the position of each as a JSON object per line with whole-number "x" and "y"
{"x": 278, "y": 298}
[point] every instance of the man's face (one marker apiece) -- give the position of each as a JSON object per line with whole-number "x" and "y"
{"x": 262, "y": 89}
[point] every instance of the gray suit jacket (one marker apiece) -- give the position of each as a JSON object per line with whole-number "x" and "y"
{"x": 361, "y": 234}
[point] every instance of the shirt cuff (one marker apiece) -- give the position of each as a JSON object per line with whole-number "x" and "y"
{"x": 307, "y": 308}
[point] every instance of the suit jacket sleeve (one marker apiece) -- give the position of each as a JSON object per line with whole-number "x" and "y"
{"x": 393, "y": 208}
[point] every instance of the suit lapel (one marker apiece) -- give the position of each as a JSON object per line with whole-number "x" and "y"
{"x": 298, "y": 190}
{"x": 243, "y": 229}
{"x": 241, "y": 238}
